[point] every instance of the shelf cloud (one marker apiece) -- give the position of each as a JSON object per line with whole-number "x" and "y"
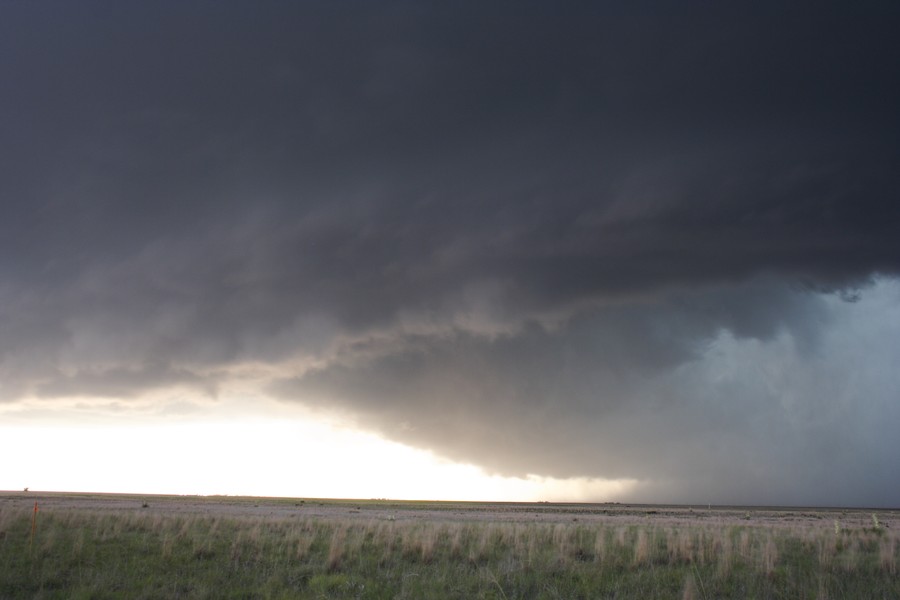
{"x": 645, "y": 241}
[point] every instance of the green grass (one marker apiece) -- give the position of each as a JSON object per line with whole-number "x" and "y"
{"x": 144, "y": 554}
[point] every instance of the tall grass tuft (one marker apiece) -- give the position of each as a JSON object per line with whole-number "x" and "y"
{"x": 769, "y": 556}
{"x": 887, "y": 554}
{"x": 642, "y": 548}
{"x": 336, "y": 548}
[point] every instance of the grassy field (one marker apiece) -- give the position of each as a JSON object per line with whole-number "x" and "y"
{"x": 258, "y": 548}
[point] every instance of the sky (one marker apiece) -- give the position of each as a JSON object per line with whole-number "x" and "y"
{"x": 635, "y": 251}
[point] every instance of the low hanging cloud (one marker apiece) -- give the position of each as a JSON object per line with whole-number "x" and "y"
{"x": 639, "y": 242}
{"x": 662, "y": 392}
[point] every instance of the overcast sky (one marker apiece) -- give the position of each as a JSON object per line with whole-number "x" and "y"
{"x": 646, "y": 241}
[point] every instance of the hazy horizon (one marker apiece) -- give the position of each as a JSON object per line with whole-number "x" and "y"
{"x": 378, "y": 501}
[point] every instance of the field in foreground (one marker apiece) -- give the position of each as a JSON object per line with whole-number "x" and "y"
{"x": 110, "y": 546}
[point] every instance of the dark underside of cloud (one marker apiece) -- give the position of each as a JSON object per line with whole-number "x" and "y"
{"x": 643, "y": 241}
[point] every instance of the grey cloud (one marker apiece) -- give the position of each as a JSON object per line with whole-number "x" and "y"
{"x": 593, "y": 365}
{"x": 664, "y": 393}
{"x": 554, "y": 209}
{"x": 120, "y": 382}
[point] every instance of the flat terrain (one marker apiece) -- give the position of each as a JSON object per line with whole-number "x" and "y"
{"x": 97, "y": 546}
{"x": 438, "y": 511}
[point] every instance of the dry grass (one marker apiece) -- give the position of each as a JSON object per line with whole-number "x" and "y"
{"x": 724, "y": 548}
{"x": 82, "y": 553}
{"x": 600, "y": 545}
{"x": 642, "y": 548}
{"x": 689, "y": 592}
{"x": 887, "y": 554}
{"x": 336, "y": 548}
{"x": 769, "y": 556}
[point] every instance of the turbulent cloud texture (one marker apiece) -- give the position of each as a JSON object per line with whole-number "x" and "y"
{"x": 621, "y": 241}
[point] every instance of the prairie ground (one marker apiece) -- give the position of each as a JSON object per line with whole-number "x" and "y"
{"x": 130, "y": 546}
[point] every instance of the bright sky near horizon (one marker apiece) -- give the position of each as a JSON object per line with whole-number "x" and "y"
{"x": 294, "y": 455}
{"x": 518, "y": 250}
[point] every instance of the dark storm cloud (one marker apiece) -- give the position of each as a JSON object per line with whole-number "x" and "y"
{"x": 480, "y": 226}
{"x": 663, "y": 392}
